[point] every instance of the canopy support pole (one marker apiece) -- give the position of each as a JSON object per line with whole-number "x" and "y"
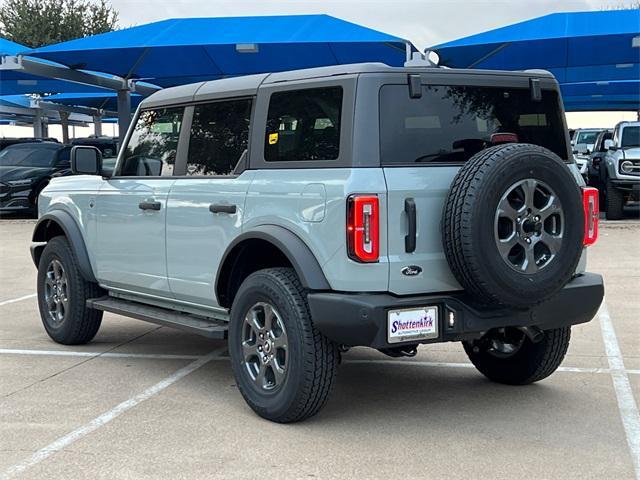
{"x": 64, "y": 122}
{"x": 37, "y": 124}
{"x": 97, "y": 125}
{"x": 124, "y": 114}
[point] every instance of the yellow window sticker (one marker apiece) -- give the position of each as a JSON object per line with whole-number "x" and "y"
{"x": 273, "y": 138}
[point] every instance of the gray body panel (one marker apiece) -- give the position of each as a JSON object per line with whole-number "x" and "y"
{"x": 172, "y": 257}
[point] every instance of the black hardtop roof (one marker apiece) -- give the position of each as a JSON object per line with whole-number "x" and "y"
{"x": 249, "y": 84}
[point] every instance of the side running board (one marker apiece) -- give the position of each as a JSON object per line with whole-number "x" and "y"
{"x": 207, "y": 327}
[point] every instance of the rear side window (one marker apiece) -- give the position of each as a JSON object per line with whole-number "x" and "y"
{"x": 153, "y": 145}
{"x": 304, "y": 125}
{"x": 450, "y": 124}
{"x": 219, "y": 137}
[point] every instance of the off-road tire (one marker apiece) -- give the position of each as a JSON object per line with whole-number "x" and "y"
{"x": 313, "y": 358}
{"x": 467, "y": 225}
{"x": 533, "y": 361}
{"x": 80, "y": 324}
{"x": 614, "y": 202}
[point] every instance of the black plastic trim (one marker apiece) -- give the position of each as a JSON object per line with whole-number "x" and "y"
{"x": 410, "y": 237}
{"x": 302, "y": 259}
{"x": 73, "y": 234}
{"x": 360, "y": 319}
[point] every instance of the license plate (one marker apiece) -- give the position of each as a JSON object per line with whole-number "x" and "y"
{"x": 412, "y": 324}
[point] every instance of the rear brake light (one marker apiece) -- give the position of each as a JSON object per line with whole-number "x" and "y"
{"x": 363, "y": 228}
{"x": 591, "y": 215}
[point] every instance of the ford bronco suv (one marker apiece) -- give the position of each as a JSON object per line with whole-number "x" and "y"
{"x": 302, "y": 213}
{"x": 620, "y": 170}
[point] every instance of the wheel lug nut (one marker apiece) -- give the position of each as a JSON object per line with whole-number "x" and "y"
{"x": 259, "y": 348}
{"x": 265, "y": 358}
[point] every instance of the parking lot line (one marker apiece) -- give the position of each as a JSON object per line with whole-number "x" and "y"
{"x": 107, "y": 417}
{"x": 19, "y": 299}
{"x": 65, "y": 353}
{"x": 162, "y": 356}
{"x": 626, "y": 402}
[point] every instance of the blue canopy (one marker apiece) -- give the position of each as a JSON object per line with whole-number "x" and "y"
{"x": 186, "y": 50}
{"x": 15, "y": 101}
{"x": 15, "y": 82}
{"x": 579, "y": 47}
{"x": 103, "y": 101}
{"x": 7, "y": 47}
{"x": 602, "y": 95}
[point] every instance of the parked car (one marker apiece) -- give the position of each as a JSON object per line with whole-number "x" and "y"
{"x": 620, "y": 168}
{"x": 584, "y": 139}
{"x": 6, "y": 141}
{"x": 597, "y": 155}
{"x": 583, "y": 166}
{"x": 302, "y": 213}
{"x": 108, "y": 146}
{"x": 26, "y": 168}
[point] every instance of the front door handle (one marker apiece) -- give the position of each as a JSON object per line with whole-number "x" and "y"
{"x": 222, "y": 208}
{"x": 149, "y": 205}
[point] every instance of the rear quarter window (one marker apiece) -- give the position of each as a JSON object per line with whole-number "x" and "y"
{"x": 304, "y": 125}
{"x": 450, "y": 124}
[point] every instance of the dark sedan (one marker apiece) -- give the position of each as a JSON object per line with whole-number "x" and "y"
{"x": 25, "y": 169}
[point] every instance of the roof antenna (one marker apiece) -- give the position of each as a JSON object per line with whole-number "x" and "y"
{"x": 417, "y": 59}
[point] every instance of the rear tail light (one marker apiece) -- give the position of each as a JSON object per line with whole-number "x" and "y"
{"x": 363, "y": 228}
{"x": 591, "y": 215}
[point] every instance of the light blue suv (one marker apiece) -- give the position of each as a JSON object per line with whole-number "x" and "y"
{"x": 302, "y": 213}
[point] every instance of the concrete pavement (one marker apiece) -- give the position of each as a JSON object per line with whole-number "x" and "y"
{"x": 125, "y": 407}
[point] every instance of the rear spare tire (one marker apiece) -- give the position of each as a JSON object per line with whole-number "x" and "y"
{"x": 513, "y": 225}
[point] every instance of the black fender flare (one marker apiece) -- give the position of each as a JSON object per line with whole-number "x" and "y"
{"x": 297, "y": 252}
{"x": 71, "y": 230}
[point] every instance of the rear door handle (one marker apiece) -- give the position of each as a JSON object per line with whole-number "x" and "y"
{"x": 149, "y": 205}
{"x": 410, "y": 237}
{"x": 222, "y": 208}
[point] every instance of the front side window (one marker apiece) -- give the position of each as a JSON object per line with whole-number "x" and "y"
{"x": 304, "y": 125}
{"x": 450, "y": 124}
{"x": 152, "y": 148}
{"x": 219, "y": 137}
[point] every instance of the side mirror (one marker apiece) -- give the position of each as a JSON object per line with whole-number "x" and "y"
{"x": 86, "y": 160}
{"x": 608, "y": 144}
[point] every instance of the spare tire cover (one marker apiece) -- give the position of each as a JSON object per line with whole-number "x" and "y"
{"x": 513, "y": 225}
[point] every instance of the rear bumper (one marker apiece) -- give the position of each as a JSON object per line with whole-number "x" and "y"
{"x": 361, "y": 319}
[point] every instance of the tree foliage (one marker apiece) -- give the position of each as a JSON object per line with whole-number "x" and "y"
{"x": 36, "y": 23}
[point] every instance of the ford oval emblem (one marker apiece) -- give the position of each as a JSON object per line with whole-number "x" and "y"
{"x": 411, "y": 270}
